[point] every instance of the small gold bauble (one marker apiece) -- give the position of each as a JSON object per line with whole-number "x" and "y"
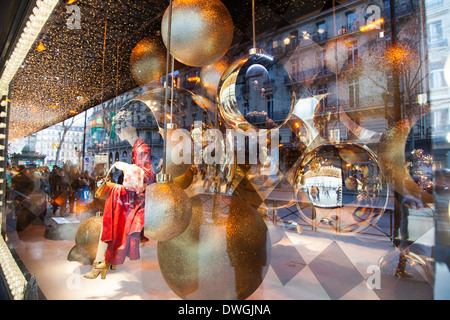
{"x": 185, "y": 180}
{"x": 210, "y": 76}
{"x": 148, "y": 60}
{"x": 201, "y": 31}
{"x": 167, "y": 211}
{"x": 223, "y": 254}
{"x": 87, "y": 239}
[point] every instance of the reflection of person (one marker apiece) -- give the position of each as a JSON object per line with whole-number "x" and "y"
{"x": 75, "y": 184}
{"x": 60, "y": 191}
{"x": 123, "y": 217}
{"x": 23, "y": 186}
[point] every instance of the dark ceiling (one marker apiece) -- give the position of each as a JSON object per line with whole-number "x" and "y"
{"x": 12, "y": 16}
{"x": 78, "y": 69}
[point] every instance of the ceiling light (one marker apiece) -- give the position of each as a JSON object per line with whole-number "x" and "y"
{"x": 29, "y": 34}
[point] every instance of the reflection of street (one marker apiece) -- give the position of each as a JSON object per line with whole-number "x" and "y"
{"x": 325, "y": 197}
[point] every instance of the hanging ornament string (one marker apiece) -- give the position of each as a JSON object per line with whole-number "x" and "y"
{"x": 117, "y": 72}
{"x": 103, "y": 76}
{"x": 166, "y": 93}
{"x": 337, "y": 67}
{"x": 254, "y": 25}
{"x": 171, "y": 92}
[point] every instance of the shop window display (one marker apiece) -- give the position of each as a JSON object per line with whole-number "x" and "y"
{"x": 249, "y": 159}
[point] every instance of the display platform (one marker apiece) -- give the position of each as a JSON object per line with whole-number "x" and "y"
{"x": 305, "y": 265}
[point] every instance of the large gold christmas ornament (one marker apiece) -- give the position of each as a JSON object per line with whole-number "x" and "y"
{"x": 223, "y": 254}
{"x": 167, "y": 211}
{"x": 148, "y": 60}
{"x": 86, "y": 240}
{"x": 256, "y": 93}
{"x": 340, "y": 188}
{"x": 201, "y": 32}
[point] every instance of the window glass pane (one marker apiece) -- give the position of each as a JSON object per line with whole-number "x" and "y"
{"x": 314, "y": 151}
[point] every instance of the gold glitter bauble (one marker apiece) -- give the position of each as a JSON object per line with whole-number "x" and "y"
{"x": 148, "y": 60}
{"x": 201, "y": 31}
{"x": 167, "y": 211}
{"x": 87, "y": 238}
{"x": 210, "y": 77}
{"x": 340, "y": 188}
{"x": 223, "y": 254}
{"x": 185, "y": 180}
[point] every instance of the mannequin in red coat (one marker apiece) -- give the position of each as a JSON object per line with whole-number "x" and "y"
{"x": 123, "y": 216}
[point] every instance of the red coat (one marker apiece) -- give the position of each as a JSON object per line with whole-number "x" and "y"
{"x": 123, "y": 217}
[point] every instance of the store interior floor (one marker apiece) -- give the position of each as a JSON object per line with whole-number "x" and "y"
{"x": 303, "y": 265}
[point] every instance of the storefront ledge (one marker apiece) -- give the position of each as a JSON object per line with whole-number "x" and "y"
{"x": 11, "y": 272}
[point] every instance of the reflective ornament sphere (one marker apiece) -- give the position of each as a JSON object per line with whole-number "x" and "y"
{"x": 201, "y": 32}
{"x": 405, "y": 264}
{"x": 340, "y": 188}
{"x": 256, "y": 93}
{"x": 223, "y": 254}
{"x": 86, "y": 240}
{"x": 148, "y": 60}
{"x": 391, "y": 154}
{"x": 168, "y": 211}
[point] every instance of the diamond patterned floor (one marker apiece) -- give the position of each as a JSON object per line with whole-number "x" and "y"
{"x": 304, "y": 265}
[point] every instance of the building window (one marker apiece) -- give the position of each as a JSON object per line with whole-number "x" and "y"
{"x": 270, "y": 107}
{"x": 434, "y": 32}
{"x": 437, "y": 79}
{"x": 353, "y": 95}
{"x": 321, "y": 30}
{"x": 321, "y": 59}
{"x": 352, "y": 51}
{"x": 295, "y": 68}
{"x": 321, "y": 90}
{"x": 440, "y": 121}
{"x": 351, "y": 18}
{"x": 433, "y": 3}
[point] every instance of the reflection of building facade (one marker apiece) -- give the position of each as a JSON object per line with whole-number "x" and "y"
{"x": 102, "y": 140}
{"x": 438, "y": 30}
{"x": 341, "y": 65}
{"x": 48, "y": 141}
